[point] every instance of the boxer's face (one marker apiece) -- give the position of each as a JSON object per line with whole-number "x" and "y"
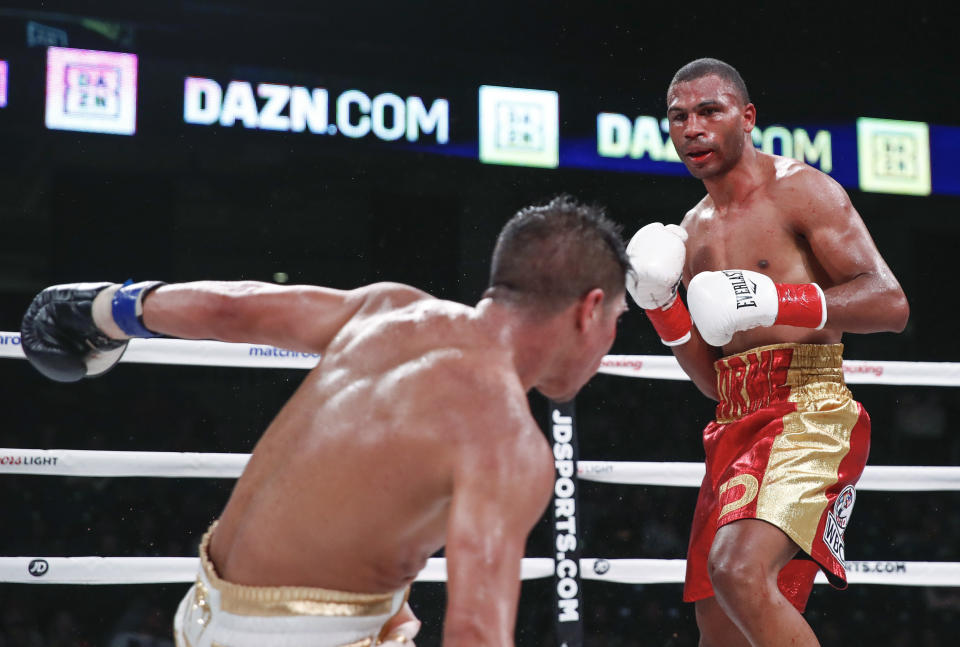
{"x": 709, "y": 125}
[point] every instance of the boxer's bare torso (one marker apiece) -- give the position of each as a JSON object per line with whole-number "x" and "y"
{"x": 796, "y": 225}
{"x": 768, "y": 231}
{"x": 351, "y": 486}
{"x": 773, "y": 215}
{"x": 414, "y": 431}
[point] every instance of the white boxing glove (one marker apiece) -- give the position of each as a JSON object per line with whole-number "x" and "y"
{"x": 726, "y": 302}
{"x": 657, "y": 254}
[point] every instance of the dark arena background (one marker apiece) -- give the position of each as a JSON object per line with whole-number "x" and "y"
{"x": 347, "y": 143}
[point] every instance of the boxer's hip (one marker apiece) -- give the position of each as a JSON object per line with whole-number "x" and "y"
{"x": 215, "y": 612}
{"x": 788, "y": 445}
{"x": 798, "y": 374}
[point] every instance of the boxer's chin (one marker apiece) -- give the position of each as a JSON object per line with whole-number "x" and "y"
{"x": 558, "y": 393}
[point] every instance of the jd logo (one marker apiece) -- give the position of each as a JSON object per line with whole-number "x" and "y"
{"x": 38, "y": 567}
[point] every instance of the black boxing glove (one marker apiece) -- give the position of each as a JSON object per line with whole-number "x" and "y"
{"x": 59, "y": 337}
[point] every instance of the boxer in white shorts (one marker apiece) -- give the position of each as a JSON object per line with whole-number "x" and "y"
{"x": 413, "y": 433}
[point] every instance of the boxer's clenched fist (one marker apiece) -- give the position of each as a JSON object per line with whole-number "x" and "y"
{"x": 79, "y": 330}
{"x": 726, "y": 302}
{"x": 59, "y": 337}
{"x": 656, "y": 253}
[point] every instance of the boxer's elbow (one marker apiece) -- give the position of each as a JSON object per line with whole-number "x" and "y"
{"x": 708, "y": 388}
{"x": 902, "y": 313}
{"x": 898, "y": 310}
{"x": 876, "y": 303}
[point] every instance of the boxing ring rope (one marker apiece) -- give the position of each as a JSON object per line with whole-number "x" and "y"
{"x": 656, "y": 367}
{"x": 158, "y": 570}
{"x": 175, "y": 570}
{"x": 141, "y": 570}
{"x": 103, "y": 463}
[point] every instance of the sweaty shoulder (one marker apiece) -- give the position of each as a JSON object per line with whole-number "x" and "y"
{"x": 703, "y": 210}
{"x": 380, "y": 297}
{"x": 805, "y": 194}
{"x": 396, "y": 325}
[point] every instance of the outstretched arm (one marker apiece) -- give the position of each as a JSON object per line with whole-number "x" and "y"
{"x": 301, "y": 318}
{"x": 80, "y": 330}
{"x": 500, "y": 491}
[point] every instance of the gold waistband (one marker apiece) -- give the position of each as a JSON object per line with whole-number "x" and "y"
{"x": 802, "y": 356}
{"x": 242, "y": 599}
{"x": 799, "y": 373}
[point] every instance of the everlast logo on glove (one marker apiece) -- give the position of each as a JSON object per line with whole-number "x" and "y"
{"x": 729, "y": 301}
{"x": 756, "y": 301}
{"x": 743, "y": 289}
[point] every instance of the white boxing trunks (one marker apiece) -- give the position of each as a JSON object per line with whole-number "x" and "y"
{"x": 216, "y": 613}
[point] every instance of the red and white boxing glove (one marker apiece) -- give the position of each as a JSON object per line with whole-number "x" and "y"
{"x": 657, "y": 254}
{"x": 723, "y": 303}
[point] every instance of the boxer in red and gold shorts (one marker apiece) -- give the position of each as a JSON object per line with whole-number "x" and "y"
{"x": 778, "y": 266}
{"x": 787, "y": 446}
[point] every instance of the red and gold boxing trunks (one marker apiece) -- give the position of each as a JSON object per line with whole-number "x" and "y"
{"x": 787, "y": 446}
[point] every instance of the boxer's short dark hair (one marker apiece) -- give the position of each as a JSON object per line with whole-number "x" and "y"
{"x": 711, "y": 67}
{"x": 554, "y": 253}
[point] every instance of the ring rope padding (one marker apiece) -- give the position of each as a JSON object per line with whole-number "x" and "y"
{"x": 166, "y": 570}
{"x": 190, "y": 352}
{"x": 84, "y": 462}
{"x": 142, "y": 570}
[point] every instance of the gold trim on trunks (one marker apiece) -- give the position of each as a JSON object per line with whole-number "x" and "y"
{"x": 272, "y": 601}
{"x": 805, "y": 461}
{"x": 805, "y": 457}
{"x": 814, "y": 371}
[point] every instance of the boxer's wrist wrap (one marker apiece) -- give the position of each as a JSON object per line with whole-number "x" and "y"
{"x": 801, "y": 305}
{"x": 127, "y": 307}
{"x": 672, "y": 322}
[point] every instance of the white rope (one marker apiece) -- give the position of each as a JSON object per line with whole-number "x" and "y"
{"x": 638, "y": 473}
{"x": 662, "y": 571}
{"x": 189, "y": 352}
{"x": 159, "y": 570}
{"x": 665, "y": 367}
{"x": 80, "y": 462}
{"x": 887, "y": 478}
{"x": 98, "y": 570}
{"x": 166, "y": 570}
{"x": 130, "y": 570}
{"x": 662, "y": 367}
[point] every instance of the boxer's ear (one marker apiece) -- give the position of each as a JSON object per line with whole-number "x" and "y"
{"x": 590, "y": 309}
{"x": 749, "y": 116}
